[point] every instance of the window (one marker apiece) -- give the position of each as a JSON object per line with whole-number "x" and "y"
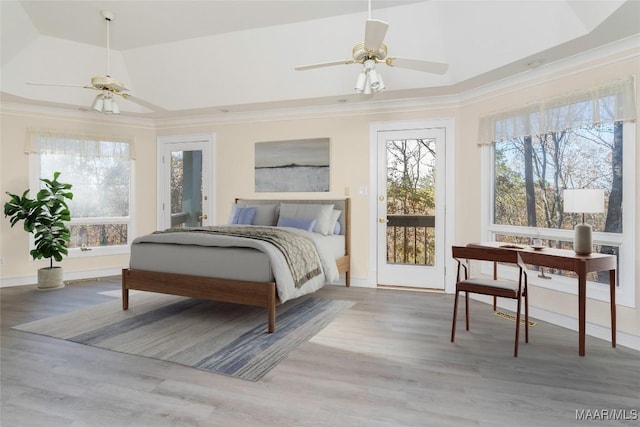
{"x": 101, "y": 172}
{"x": 577, "y": 142}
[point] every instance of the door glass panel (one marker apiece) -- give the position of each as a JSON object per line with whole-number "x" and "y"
{"x": 186, "y": 188}
{"x": 411, "y": 201}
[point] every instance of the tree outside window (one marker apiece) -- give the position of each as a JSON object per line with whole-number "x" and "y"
{"x": 411, "y": 192}
{"x": 531, "y": 173}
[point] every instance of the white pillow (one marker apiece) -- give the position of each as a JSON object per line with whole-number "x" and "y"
{"x": 321, "y": 213}
{"x": 334, "y": 218}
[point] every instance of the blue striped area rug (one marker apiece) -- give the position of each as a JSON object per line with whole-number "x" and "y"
{"x": 228, "y": 339}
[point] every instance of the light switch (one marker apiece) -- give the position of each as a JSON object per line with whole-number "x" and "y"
{"x": 363, "y": 190}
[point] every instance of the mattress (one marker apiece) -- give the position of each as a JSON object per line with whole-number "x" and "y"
{"x": 207, "y": 261}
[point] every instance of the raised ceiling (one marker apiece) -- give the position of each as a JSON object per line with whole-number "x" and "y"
{"x": 210, "y": 57}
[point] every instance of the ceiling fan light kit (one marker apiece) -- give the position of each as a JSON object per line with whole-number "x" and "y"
{"x": 369, "y": 80}
{"x": 105, "y": 103}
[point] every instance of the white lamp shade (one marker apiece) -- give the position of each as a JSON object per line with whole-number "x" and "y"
{"x": 367, "y": 86}
{"x": 108, "y": 106}
{"x": 361, "y": 82}
{"x": 374, "y": 80}
{"x": 583, "y": 200}
{"x": 98, "y": 103}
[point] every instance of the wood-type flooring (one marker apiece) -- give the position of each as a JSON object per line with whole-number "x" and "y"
{"x": 387, "y": 361}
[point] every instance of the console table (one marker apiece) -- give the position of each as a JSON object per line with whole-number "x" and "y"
{"x": 581, "y": 265}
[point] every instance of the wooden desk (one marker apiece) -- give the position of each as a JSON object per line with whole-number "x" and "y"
{"x": 581, "y": 265}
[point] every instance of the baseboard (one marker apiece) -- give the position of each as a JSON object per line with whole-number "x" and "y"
{"x": 68, "y": 276}
{"x": 355, "y": 282}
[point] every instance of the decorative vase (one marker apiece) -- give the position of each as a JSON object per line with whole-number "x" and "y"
{"x": 50, "y": 278}
{"x": 582, "y": 243}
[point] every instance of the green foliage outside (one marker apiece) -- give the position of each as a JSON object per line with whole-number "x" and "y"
{"x": 411, "y": 191}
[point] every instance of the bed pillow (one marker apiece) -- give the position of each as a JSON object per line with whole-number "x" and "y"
{"x": 333, "y": 222}
{"x": 242, "y": 215}
{"x": 321, "y": 213}
{"x": 265, "y": 214}
{"x": 302, "y": 224}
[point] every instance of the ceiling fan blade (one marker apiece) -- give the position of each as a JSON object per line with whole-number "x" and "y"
{"x": 374, "y": 33}
{"x": 418, "y": 64}
{"x": 53, "y": 84}
{"x": 141, "y": 102}
{"x": 324, "y": 64}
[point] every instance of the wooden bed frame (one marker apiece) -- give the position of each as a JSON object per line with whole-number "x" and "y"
{"x": 260, "y": 294}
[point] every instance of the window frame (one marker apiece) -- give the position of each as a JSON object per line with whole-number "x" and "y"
{"x": 34, "y": 183}
{"x": 625, "y": 276}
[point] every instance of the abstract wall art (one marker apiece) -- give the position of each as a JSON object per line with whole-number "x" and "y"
{"x": 300, "y": 165}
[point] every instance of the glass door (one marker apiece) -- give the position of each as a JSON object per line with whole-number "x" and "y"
{"x": 186, "y": 184}
{"x": 410, "y": 208}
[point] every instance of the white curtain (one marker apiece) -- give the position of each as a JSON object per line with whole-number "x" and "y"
{"x": 47, "y": 142}
{"x": 605, "y": 104}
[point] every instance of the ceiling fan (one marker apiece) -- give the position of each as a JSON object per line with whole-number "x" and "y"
{"x": 373, "y": 51}
{"x": 108, "y": 86}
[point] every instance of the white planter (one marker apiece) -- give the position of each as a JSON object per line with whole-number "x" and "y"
{"x": 50, "y": 278}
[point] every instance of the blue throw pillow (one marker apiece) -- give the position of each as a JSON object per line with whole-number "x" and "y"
{"x": 302, "y": 224}
{"x": 244, "y": 216}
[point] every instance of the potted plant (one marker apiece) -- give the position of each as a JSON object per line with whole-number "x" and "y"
{"x": 45, "y": 217}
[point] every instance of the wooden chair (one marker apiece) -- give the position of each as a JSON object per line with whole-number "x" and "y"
{"x": 491, "y": 286}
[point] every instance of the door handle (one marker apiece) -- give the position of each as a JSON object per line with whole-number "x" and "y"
{"x": 203, "y": 216}
{"x": 382, "y": 220}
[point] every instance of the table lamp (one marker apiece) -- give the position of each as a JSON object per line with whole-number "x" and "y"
{"x": 583, "y": 201}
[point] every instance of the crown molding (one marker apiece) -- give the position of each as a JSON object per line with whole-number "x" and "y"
{"x": 315, "y": 112}
{"x": 50, "y": 112}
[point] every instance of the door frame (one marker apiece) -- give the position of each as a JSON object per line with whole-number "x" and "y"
{"x": 208, "y": 171}
{"x": 448, "y": 124}
{"x": 418, "y": 276}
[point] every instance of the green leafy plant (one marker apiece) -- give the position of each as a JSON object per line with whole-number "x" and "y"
{"x": 45, "y": 217}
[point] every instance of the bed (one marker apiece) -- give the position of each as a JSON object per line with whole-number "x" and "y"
{"x": 194, "y": 264}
